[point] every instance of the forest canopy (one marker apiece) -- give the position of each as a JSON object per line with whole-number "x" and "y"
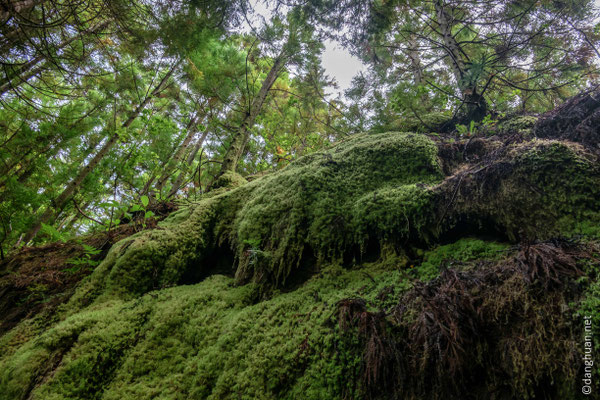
{"x": 115, "y": 111}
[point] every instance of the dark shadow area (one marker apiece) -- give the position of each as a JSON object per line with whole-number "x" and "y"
{"x": 308, "y": 267}
{"x": 466, "y": 226}
{"x": 219, "y": 261}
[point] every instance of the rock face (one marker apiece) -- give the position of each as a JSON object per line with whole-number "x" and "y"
{"x": 392, "y": 265}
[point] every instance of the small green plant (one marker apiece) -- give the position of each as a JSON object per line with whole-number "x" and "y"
{"x": 464, "y": 131}
{"x": 54, "y": 234}
{"x": 143, "y": 206}
{"x": 84, "y": 261}
{"x": 254, "y": 252}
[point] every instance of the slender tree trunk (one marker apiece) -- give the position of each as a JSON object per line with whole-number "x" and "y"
{"x": 241, "y": 135}
{"x": 68, "y": 192}
{"x": 415, "y": 60}
{"x": 192, "y": 128}
{"x": 188, "y": 162}
{"x": 476, "y": 105}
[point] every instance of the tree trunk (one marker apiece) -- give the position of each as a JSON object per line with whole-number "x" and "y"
{"x": 415, "y": 60}
{"x": 451, "y": 47}
{"x": 66, "y": 194}
{"x": 179, "y": 154}
{"x": 474, "y": 105}
{"x": 240, "y": 137}
{"x": 189, "y": 161}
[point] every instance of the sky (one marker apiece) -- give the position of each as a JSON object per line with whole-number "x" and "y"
{"x": 341, "y": 65}
{"x": 337, "y": 61}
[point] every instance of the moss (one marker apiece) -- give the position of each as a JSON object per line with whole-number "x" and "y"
{"x": 310, "y": 227}
{"x": 313, "y": 209}
{"x": 459, "y": 252}
{"x": 521, "y": 124}
{"x": 367, "y": 195}
{"x": 534, "y": 190}
{"x": 209, "y": 340}
{"x": 229, "y": 180}
{"x": 429, "y": 122}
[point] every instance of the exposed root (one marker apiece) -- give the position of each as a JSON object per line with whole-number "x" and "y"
{"x": 577, "y": 120}
{"x": 382, "y": 358}
{"x": 499, "y": 332}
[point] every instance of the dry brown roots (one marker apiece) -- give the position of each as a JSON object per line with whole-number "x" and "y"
{"x": 500, "y": 331}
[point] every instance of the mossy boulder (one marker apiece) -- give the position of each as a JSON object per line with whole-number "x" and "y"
{"x": 278, "y": 287}
{"x": 348, "y": 203}
{"x": 322, "y": 207}
{"x": 428, "y": 122}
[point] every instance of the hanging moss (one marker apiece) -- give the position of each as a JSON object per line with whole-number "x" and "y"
{"x": 210, "y": 340}
{"x": 315, "y": 208}
{"x": 530, "y": 190}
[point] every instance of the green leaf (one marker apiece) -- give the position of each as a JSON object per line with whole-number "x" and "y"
{"x": 53, "y": 233}
{"x": 149, "y": 214}
{"x": 145, "y": 200}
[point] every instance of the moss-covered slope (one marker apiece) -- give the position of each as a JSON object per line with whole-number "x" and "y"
{"x": 240, "y": 295}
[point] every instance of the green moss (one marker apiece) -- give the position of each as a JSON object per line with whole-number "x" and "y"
{"x": 461, "y": 251}
{"x": 229, "y": 180}
{"x": 369, "y": 193}
{"x": 429, "y": 122}
{"x": 522, "y": 124}
{"x": 318, "y": 207}
{"x": 128, "y": 333}
{"x": 535, "y": 190}
{"x": 209, "y": 340}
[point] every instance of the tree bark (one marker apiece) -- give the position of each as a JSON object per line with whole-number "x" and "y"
{"x": 179, "y": 154}
{"x": 189, "y": 161}
{"x": 241, "y": 136}
{"x": 68, "y": 192}
{"x": 475, "y": 104}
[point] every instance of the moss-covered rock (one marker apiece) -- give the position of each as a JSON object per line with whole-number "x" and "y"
{"x": 212, "y": 340}
{"x": 365, "y": 194}
{"x": 429, "y": 122}
{"x": 321, "y": 207}
{"x": 237, "y": 295}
